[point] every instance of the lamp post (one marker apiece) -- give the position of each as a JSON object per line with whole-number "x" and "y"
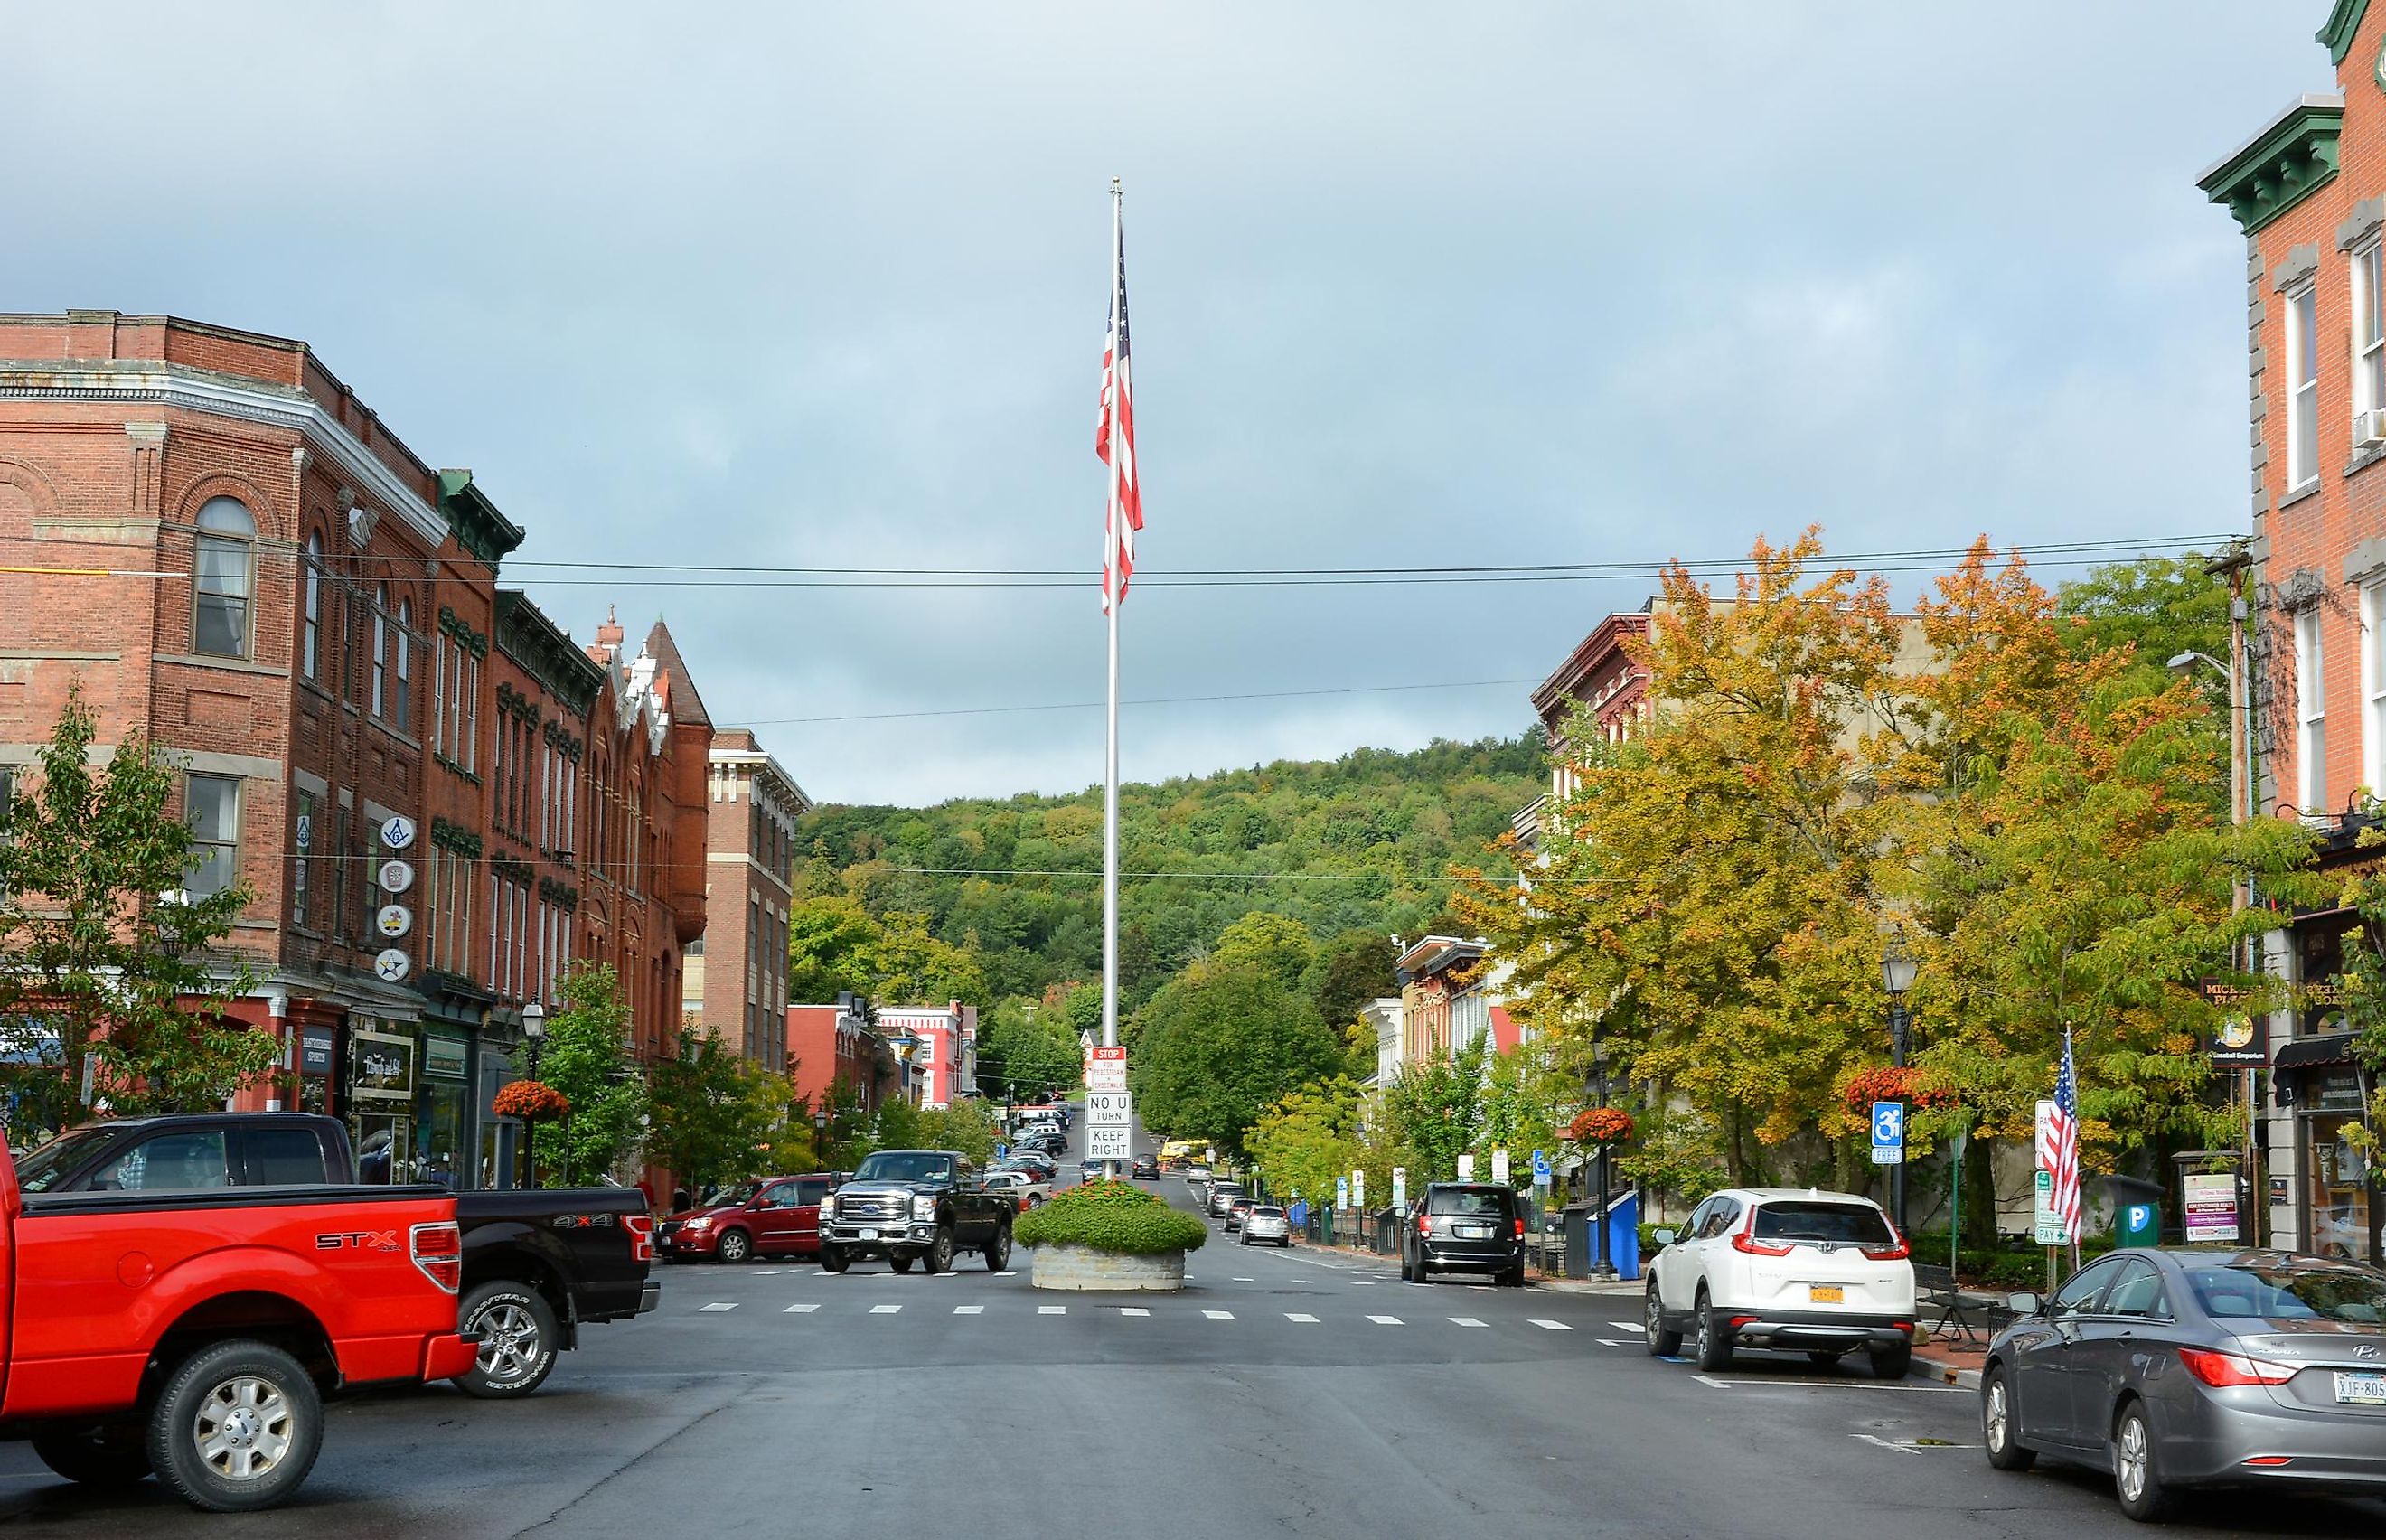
{"x": 534, "y": 1038}
{"x": 1897, "y": 968}
{"x": 819, "y": 1130}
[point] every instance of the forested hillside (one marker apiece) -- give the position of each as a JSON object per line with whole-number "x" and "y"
{"x": 1361, "y": 844}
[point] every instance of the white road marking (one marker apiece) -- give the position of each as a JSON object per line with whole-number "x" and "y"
{"x": 1005, "y": 1275}
{"x": 1364, "y": 1283}
{"x": 1295, "y": 1314}
{"x": 1551, "y": 1325}
{"x": 729, "y": 1304}
{"x": 1051, "y": 1310}
{"x": 1133, "y": 1309}
{"x": 969, "y": 1310}
{"x": 1386, "y": 1321}
{"x": 799, "y": 1309}
{"x": 1465, "y": 1320}
{"x": 1711, "y": 1379}
{"x": 1611, "y": 1342}
{"x": 885, "y": 1310}
{"x": 1219, "y": 1315}
{"x": 1900, "y": 1448}
{"x": 1246, "y": 1279}
{"x": 1629, "y": 1326}
{"x": 768, "y": 1273}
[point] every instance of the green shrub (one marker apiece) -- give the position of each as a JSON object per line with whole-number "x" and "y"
{"x": 1111, "y": 1216}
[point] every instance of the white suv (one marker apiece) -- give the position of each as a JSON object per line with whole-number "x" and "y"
{"x": 1789, "y": 1268}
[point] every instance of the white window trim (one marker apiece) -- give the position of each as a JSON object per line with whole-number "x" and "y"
{"x": 2373, "y": 686}
{"x": 2364, "y": 394}
{"x": 2311, "y": 711}
{"x": 2302, "y": 476}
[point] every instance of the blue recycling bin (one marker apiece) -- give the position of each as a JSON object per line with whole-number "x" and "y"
{"x": 1624, "y": 1234}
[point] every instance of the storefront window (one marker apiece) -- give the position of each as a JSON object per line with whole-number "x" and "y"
{"x": 500, "y": 1137}
{"x": 381, "y": 1101}
{"x": 2337, "y": 1180}
{"x": 444, "y": 1119}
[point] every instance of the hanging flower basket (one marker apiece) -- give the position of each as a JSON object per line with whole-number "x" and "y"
{"x": 533, "y": 1101}
{"x": 1909, "y": 1084}
{"x": 1600, "y": 1125}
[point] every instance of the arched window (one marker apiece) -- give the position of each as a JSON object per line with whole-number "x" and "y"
{"x": 310, "y": 659}
{"x": 224, "y": 563}
{"x": 402, "y": 705}
{"x": 380, "y": 649}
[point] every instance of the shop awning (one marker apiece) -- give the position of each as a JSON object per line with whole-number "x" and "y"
{"x": 2311, "y": 1053}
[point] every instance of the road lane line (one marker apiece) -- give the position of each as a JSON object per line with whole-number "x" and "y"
{"x": 1388, "y": 1321}
{"x": 1465, "y": 1320}
{"x": 1711, "y": 1379}
{"x": 1051, "y": 1310}
{"x": 885, "y": 1310}
{"x": 718, "y": 1304}
{"x": 1551, "y": 1325}
{"x": 1629, "y": 1326}
{"x": 1364, "y": 1283}
{"x": 1005, "y": 1275}
{"x": 1900, "y": 1448}
{"x": 1246, "y": 1279}
{"x": 1611, "y": 1342}
{"x": 1133, "y": 1309}
{"x": 770, "y": 1272}
{"x": 799, "y": 1309}
{"x": 1295, "y": 1314}
{"x": 969, "y": 1310}
{"x": 1219, "y": 1315}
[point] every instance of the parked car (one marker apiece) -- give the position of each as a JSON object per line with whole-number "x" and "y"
{"x": 1235, "y": 1210}
{"x": 539, "y": 1265}
{"x": 1028, "y": 1190}
{"x": 1145, "y": 1168}
{"x": 1038, "y": 1168}
{"x": 779, "y": 1217}
{"x": 1464, "y": 1226}
{"x": 1222, "y": 1197}
{"x": 169, "y": 1322}
{"x": 1266, "y": 1223}
{"x": 910, "y": 1205}
{"x": 2176, "y": 1369}
{"x": 1786, "y": 1268}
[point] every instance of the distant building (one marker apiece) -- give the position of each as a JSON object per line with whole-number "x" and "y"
{"x": 1386, "y": 1017}
{"x": 736, "y": 982}
{"x": 943, "y": 1066}
{"x": 832, "y": 1045}
{"x": 1443, "y": 1014}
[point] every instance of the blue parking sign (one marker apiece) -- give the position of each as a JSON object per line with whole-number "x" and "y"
{"x": 1887, "y": 1133}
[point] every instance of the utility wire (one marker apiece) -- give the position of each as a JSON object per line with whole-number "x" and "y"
{"x": 1149, "y": 700}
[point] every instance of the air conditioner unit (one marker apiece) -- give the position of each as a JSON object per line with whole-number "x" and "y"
{"x": 2368, "y": 429}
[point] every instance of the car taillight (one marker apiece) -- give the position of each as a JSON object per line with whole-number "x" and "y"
{"x": 1425, "y": 1225}
{"x": 438, "y": 1250}
{"x": 1520, "y": 1230}
{"x": 642, "y": 1236}
{"x": 2233, "y": 1369}
{"x": 1896, "y": 1251}
{"x": 1744, "y": 1239}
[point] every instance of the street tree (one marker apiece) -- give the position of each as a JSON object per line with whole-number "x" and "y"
{"x": 116, "y": 976}
{"x": 716, "y": 1118}
{"x": 587, "y": 1057}
{"x": 835, "y": 942}
{"x": 1309, "y": 1139}
{"x": 1218, "y": 1045}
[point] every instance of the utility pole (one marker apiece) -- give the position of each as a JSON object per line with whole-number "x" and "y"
{"x": 2244, "y": 791}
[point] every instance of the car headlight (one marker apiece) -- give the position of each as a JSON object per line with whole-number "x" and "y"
{"x": 923, "y": 1206}
{"x": 698, "y": 1224}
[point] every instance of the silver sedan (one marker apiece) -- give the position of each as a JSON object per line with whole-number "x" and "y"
{"x": 1268, "y": 1224}
{"x": 2176, "y": 1369}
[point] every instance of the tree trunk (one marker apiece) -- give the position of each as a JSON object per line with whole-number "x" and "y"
{"x": 1979, "y": 1193}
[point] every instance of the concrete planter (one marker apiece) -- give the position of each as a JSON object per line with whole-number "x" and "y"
{"x": 1081, "y": 1267}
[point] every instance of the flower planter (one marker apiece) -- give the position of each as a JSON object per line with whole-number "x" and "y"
{"x": 1083, "y": 1269}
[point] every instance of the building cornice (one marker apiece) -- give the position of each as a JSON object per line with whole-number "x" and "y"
{"x": 479, "y": 527}
{"x": 767, "y": 768}
{"x": 528, "y": 635}
{"x": 196, "y": 390}
{"x": 2293, "y": 157}
{"x": 2337, "y": 32}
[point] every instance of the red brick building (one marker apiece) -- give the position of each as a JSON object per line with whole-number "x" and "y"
{"x": 736, "y": 980}
{"x": 1600, "y": 675}
{"x": 832, "y": 1045}
{"x": 2308, "y": 190}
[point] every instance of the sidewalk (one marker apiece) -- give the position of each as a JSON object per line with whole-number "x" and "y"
{"x": 1953, "y": 1360}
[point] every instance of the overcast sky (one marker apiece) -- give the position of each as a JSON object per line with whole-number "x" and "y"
{"x": 1414, "y": 286}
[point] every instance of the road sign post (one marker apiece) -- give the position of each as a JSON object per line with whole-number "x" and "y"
{"x": 1500, "y": 1166}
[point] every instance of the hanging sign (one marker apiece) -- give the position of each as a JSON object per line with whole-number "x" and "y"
{"x": 392, "y": 966}
{"x": 396, "y": 876}
{"x": 398, "y": 833}
{"x": 394, "y": 921}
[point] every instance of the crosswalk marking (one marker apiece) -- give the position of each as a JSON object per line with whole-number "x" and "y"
{"x": 1465, "y": 1320}
{"x": 1005, "y": 1275}
{"x": 885, "y": 1310}
{"x": 718, "y": 1305}
{"x": 1611, "y": 1342}
{"x": 768, "y": 1273}
{"x": 1386, "y": 1319}
{"x": 1133, "y": 1309}
{"x": 1629, "y": 1326}
{"x": 1553, "y": 1325}
{"x": 1246, "y": 1279}
{"x": 969, "y": 1310}
{"x": 1219, "y": 1315}
{"x": 1051, "y": 1310}
{"x": 1364, "y": 1283}
{"x": 799, "y": 1309}
{"x": 1295, "y": 1314}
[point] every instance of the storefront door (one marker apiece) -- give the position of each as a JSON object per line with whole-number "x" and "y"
{"x": 382, "y": 1085}
{"x": 2336, "y": 1192}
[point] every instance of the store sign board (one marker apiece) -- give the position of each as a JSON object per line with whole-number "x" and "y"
{"x": 381, "y": 1065}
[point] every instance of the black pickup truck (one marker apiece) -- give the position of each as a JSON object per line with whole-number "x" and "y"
{"x": 537, "y": 1265}
{"x": 915, "y": 1206}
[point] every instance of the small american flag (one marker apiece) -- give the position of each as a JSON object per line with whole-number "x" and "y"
{"x": 2063, "y": 1151}
{"x": 1115, "y": 437}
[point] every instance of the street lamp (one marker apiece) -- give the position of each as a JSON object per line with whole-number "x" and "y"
{"x": 1897, "y": 968}
{"x": 534, "y": 1038}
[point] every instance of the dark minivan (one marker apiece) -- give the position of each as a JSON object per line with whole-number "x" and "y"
{"x": 1468, "y": 1227}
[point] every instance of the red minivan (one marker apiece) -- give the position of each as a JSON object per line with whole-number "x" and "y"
{"x": 779, "y": 1217}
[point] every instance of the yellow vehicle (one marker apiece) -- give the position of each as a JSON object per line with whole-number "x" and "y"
{"x": 1179, "y": 1150}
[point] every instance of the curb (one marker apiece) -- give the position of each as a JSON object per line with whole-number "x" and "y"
{"x": 1945, "y": 1372}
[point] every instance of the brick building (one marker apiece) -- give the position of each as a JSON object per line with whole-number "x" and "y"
{"x": 1600, "y": 675}
{"x": 943, "y": 1061}
{"x": 736, "y": 982}
{"x": 2308, "y": 190}
{"x": 832, "y": 1046}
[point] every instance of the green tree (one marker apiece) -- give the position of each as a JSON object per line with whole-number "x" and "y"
{"x": 1217, "y": 1047}
{"x": 1309, "y": 1138}
{"x": 1435, "y": 1113}
{"x": 718, "y": 1117}
{"x": 834, "y": 943}
{"x": 1275, "y": 946}
{"x": 1348, "y": 973}
{"x": 586, "y": 1056}
{"x": 106, "y": 983}
{"x": 1024, "y": 1051}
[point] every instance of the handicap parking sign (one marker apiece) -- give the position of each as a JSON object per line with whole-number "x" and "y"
{"x": 1887, "y": 1133}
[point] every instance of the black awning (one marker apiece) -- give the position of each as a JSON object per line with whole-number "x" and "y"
{"x": 2310, "y": 1052}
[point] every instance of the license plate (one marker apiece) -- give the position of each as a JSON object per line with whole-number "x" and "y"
{"x": 1471, "y": 1231}
{"x": 2361, "y": 1390}
{"x": 1825, "y": 1294}
{"x": 870, "y": 1234}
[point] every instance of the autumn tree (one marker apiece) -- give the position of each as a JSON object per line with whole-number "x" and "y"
{"x": 834, "y": 943}
{"x": 1308, "y": 1139}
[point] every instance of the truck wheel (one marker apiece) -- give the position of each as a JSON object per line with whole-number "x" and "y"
{"x": 940, "y": 1251}
{"x": 236, "y": 1428}
{"x": 832, "y": 1259}
{"x": 998, "y": 1256}
{"x": 735, "y": 1247}
{"x": 900, "y": 1264}
{"x": 517, "y": 1338}
{"x": 109, "y": 1456}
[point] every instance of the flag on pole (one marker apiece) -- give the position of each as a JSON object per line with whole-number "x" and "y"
{"x": 2064, "y": 1151}
{"x": 1115, "y": 437}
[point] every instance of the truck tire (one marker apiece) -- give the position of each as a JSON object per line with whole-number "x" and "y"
{"x": 832, "y": 1259}
{"x": 1713, "y": 1341}
{"x": 237, "y": 1427}
{"x": 940, "y": 1251}
{"x": 735, "y": 1247}
{"x": 115, "y": 1457}
{"x": 517, "y": 1338}
{"x": 998, "y": 1256}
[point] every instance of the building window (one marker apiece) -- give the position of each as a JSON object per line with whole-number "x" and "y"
{"x": 211, "y": 806}
{"x": 2368, "y": 331}
{"x": 402, "y": 704}
{"x": 2303, "y": 386}
{"x": 2311, "y": 712}
{"x": 310, "y": 655}
{"x": 225, "y": 553}
{"x": 302, "y": 841}
{"x": 8, "y": 790}
{"x": 2373, "y": 686}
{"x": 467, "y": 743}
{"x": 380, "y": 651}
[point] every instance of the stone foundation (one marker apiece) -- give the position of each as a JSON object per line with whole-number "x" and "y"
{"x": 1084, "y": 1269}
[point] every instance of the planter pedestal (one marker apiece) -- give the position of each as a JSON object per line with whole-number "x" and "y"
{"x": 1081, "y": 1267}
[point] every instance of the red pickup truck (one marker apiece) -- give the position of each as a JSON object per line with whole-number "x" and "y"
{"x": 193, "y": 1334}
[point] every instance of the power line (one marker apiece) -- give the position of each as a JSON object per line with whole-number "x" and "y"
{"x": 1150, "y": 700}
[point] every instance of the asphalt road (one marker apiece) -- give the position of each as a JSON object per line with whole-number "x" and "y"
{"x": 1280, "y": 1392}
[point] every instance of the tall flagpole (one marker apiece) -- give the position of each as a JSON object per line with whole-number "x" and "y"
{"x": 1111, "y": 604}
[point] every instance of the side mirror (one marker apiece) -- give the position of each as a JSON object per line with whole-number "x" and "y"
{"x": 1663, "y": 1237}
{"x": 2024, "y": 1302}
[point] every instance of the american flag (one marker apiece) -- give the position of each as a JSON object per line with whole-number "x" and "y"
{"x": 1115, "y": 437}
{"x": 2063, "y": 1144}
